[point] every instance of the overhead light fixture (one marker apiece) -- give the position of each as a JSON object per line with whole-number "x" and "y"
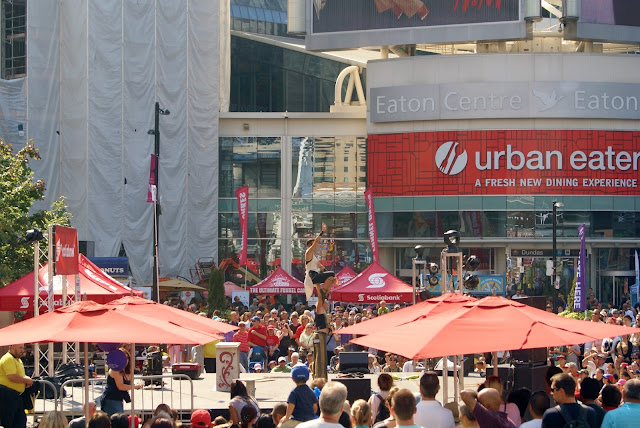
{"x": 470, "y": 282}
{"x": 452, "y": 239}
{"x": 33, "y": 235}
{"x": 419, "y": 249}
{"x": 471, "y": 263}
{"x": 164, "y": 111}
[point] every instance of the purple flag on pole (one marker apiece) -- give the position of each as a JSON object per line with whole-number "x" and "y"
{"x": 580, "y": 296}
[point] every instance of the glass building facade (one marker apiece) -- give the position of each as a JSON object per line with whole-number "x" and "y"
{"x": 259, "y": 16}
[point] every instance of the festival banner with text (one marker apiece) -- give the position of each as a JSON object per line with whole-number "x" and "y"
{"x": 504, "y": 162}
{"x": 373, "y": 235}
{"x": 580, "y": 295}
{"x": 243, "y": 203}
{"x": 65, "y": 241}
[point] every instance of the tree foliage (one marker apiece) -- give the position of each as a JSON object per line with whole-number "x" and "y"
{"x": 18, "y": 192}
{"x": 216, "y": 299}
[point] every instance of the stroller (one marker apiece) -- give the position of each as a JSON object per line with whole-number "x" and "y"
{"x": 153, "y": 367}
{"x": 257, "y": 355}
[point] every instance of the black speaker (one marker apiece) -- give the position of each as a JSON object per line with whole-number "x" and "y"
{"x": 356, "y": 388}
{"x": 538, "y": 302}
{"x": 534, "y": 356}
{"x": 523, "y": 376}
{"x": 351, "y": 362}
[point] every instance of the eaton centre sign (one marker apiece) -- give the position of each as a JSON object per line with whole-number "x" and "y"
{"x": 505, "y": 100}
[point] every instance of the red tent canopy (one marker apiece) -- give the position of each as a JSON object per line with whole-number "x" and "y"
{"x": 345, "y": 275}
{"x": 279, "y": 282}
{"x": 97, "y": 285}
{"x": 373, "y": 285}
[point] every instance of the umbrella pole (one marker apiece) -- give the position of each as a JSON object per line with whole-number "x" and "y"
{"x": 132, "y": 386}
{"x": 445, "y": 379}
{"x": 494, "y": 360}
{"x": 86, "y": 381}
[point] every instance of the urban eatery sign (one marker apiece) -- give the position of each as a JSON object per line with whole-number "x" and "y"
{"x": 505, "y": 162}
{"x": 491, "y": 100}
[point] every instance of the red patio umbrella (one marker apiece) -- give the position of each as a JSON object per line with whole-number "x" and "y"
{"x": 89, "y": 321}
{"x": 436, "y": 305}
{"x": 486, "y": 325}
{"x": 139, "y": 306}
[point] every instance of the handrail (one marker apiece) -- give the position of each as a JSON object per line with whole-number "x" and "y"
{"x": 94, "y": 393}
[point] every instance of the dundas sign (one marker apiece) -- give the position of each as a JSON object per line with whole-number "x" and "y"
{"x": 496, "y": 100}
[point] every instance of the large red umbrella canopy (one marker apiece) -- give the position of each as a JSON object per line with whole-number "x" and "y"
{"x": 89, "y": 321}
{"x": 230, "y": 287}
{"x": 95, "y": 284}
{"x": 489, "y": 324}
{"x": 444, "y": 303}
{"x": 138, "y": 306}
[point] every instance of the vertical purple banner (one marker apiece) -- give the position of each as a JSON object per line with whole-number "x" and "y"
{"x": 580, "y": 296}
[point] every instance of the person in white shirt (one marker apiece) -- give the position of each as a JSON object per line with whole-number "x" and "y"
{"x": 332, "y": 399}
{"x": 408, "y": 366}
{"x": 429, "y": 411}
{"x": 538, "y": 404}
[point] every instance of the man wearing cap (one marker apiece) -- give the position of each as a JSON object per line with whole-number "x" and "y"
{"x": 257, "y": 333}
{"x": 13, "y": 382}
{"x": 302, "y": 403}
{"x": 201, "y": 418}
{"x": 282, "y": 366}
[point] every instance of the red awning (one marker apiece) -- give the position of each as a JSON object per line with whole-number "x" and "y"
{"x": 345, "y": 275}
{"x": 279, "y": 282}
{"x": 95, "y": 284}
{"x": 373, "y": 285}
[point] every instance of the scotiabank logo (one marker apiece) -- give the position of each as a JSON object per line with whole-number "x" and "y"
{"x": 449, "y": 160}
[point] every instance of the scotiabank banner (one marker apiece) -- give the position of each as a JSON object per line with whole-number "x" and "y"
{"x": 504, "y": 162}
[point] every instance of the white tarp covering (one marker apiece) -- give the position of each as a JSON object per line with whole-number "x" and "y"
{"x": 95, "y": 70}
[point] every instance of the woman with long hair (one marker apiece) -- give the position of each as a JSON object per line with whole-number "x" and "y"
{"x": 248, "y": 417}
{"x": 239, "y": 399}
{"x": 390, "y": 422}
{"x": 54, "y": 419}
{"x": 361, "y": 414}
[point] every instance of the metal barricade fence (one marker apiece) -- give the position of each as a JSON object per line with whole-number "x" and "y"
{"x": 145, "y": 400}
{"x": 41, "y": 410}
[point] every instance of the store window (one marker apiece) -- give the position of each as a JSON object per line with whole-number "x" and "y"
{"x": 14, "y": 36}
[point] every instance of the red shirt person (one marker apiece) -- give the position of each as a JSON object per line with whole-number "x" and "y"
{"x": 257, "y": 333}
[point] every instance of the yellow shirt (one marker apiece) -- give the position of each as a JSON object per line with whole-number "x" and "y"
{"x": 210, "y": 349}
{"x": 11, "y": 365}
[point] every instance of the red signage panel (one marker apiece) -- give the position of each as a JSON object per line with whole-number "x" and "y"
{"x": 504, "y": 162}
{"x": 66, "y": 250}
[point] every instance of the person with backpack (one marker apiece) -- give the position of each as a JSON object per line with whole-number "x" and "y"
{"x": 380, "y": 412}
{"x": 568, "y": 413}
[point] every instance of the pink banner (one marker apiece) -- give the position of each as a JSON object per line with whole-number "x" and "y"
{"x": 65, "y": 241}
{"x": 243, "y": 200}
{"x": 151, "y": 193}
{"x": 373, "y": 235}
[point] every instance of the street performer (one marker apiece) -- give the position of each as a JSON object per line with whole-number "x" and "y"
{"x": 13, "y": 382}
{"x": 322, "y": 281}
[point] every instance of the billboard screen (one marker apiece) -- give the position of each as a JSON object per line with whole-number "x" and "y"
{"x": 607, "y": 21}
{"x": 339, "y": 24}
{"x": 504, "y": 162}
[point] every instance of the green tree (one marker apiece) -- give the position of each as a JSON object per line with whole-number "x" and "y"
{"x": 216, "y": 299}
{"x": 18, "y": 192}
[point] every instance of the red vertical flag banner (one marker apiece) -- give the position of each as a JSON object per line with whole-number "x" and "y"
{"x": 65, "y": 241}
{"x": 373, "y": 235}
{"x": 243, "y": 200}
{"x": 151, "y": 193}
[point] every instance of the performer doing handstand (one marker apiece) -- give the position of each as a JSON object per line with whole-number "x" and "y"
{"x": 322, "y": 281}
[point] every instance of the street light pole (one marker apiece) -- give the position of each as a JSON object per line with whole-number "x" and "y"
{"x": 554, "y": 278}
{"x": 155, "y": 293}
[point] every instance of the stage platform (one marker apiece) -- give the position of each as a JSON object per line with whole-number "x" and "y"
{"x": 269, "y": 390}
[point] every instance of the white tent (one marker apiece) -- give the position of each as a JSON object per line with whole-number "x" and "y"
{"x": 95, "y": 70}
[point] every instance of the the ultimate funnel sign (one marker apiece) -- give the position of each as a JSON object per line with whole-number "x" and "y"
{"x": 505, "y": 163}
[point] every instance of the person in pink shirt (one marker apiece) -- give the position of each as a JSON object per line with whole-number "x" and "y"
{"x": 243, "y": 337}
